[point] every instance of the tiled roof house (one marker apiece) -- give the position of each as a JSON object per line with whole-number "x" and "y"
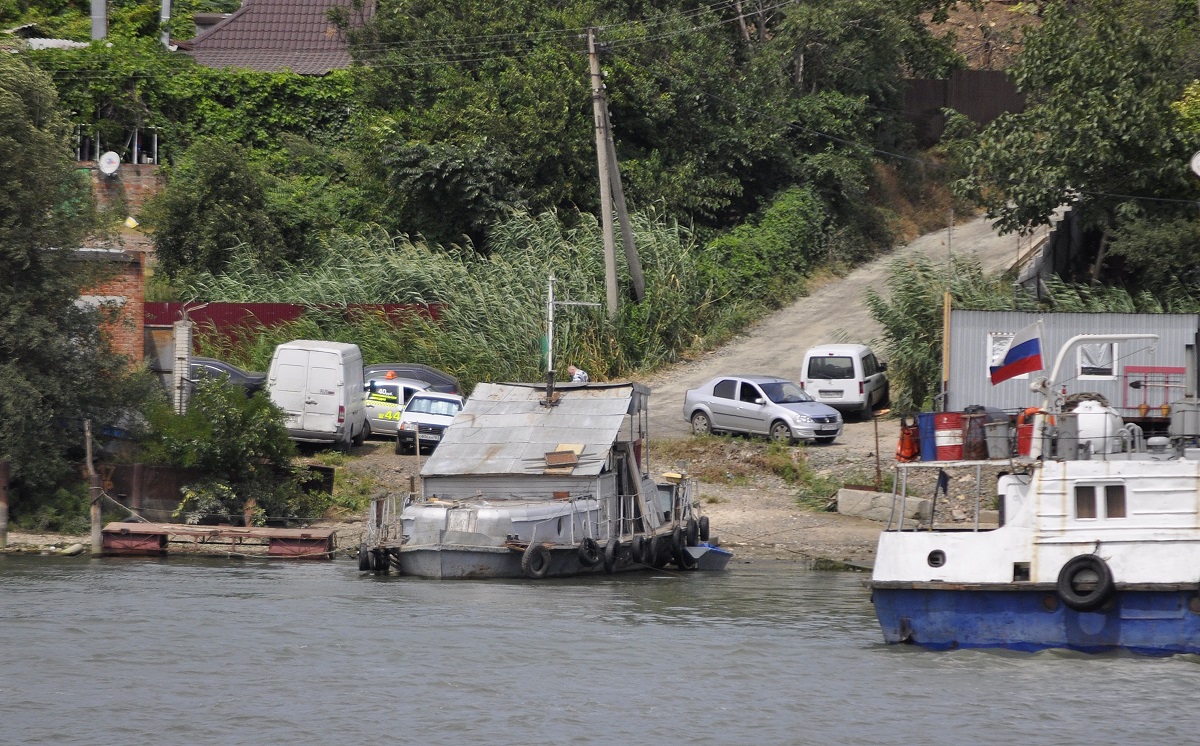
{"x": 278, "y": 35}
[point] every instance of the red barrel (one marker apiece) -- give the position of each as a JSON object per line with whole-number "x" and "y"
{"x": 948, "y": 435}
{"x": 1024, "y": 439}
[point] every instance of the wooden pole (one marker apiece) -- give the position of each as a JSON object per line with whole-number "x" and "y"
{"x": 606, "y": 218}
{"x": 135, "y": 492}
{"x": 4, "y": 503}
{"x": 96, "y": 491}
{"x": 946, "y": 352}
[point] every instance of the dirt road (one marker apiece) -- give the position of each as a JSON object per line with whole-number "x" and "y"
{"x": 835, "y": 312}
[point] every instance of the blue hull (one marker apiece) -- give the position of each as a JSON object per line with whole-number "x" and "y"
{"x": 1154, "y": 622}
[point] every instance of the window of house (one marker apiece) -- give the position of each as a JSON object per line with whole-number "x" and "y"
{"x": 997, "y": 345}
{"x": 1085, "y": 501}
{"x": 726, "y": 389}
{"x": 1114, "y": 501}
{"x": 1097, "y": 361}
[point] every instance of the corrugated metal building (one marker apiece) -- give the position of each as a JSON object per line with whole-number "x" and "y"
{"x": 1163, "y": 371}
{"x": 498, "y": 443}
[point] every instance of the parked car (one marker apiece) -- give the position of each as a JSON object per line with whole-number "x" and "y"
{"x": 425, "y": 418}
{"x": 201, "y": 367}
{"x": 436, "y": 380}
{"x": 760, "y": 405}
{"x": 847, "y": 377}
{"x": 384, "y": 399}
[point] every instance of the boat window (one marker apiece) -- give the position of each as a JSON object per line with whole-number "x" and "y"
{"x": 1085, "y": 501}
{"x": 1114, "y": 501}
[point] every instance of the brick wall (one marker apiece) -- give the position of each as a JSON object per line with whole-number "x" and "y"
{"x": 128, "y": 188}
{"x": 123, "y": 283}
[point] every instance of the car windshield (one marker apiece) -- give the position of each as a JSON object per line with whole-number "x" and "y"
{"x": 784, "y": 392}
{"x": 422, "y": 405}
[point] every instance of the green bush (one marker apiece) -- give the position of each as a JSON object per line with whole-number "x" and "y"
{"x": 242, "y": 446}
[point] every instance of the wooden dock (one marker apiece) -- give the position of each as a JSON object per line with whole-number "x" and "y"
{"x": 154, "y": 538}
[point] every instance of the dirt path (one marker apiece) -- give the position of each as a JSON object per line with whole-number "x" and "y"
{"x": 835, "y": 312}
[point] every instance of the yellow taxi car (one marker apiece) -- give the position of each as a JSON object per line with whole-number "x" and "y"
{"x": 384, "y": 399}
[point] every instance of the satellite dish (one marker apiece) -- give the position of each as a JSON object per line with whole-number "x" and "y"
{"x": 109, "y": 163}
{"x": 1196, "y": 163}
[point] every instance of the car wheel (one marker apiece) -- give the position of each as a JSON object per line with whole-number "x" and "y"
{"x": 401, "y": 448}
{"x": 701, "y": 425}
{"x": 361, "y": 438}
{"x": 781, "y": 432}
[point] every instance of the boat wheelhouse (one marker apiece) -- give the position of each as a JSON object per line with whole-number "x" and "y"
{"x": 1098, "y": 546}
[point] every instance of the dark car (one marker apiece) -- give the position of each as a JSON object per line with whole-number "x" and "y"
{"x": 202, "y": 367}
{"x": 437, "y": 380}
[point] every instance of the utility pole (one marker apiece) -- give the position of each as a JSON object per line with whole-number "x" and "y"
{"x": 618, "y": 192}
{"x": 606, "y": 221}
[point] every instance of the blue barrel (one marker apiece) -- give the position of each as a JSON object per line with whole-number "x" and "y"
{"x": 926, "y": 428}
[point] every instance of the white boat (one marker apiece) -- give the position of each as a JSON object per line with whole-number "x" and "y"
{"x": 1098, "y": 546}
{"x": 534, "y": 480}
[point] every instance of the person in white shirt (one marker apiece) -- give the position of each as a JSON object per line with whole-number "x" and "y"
{"x": 578, "y": 375}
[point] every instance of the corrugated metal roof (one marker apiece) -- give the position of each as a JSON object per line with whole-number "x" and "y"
{"x": 505, "y": 429}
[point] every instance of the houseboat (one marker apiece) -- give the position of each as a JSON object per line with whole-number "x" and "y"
{"x": 1097, "y": 548}
{"x": 538, "y": 480}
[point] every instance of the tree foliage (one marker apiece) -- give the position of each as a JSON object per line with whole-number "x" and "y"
{"x": 56, "y": 369}
{"x": 1099, "y": 133}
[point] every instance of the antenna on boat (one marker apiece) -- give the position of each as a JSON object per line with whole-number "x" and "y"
{"x": 550, "y": 401}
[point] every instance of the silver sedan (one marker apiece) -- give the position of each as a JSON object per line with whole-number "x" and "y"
{"x": 760, "y": 405}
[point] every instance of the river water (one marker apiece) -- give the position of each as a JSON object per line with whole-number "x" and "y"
{"x": 186, "y": 650}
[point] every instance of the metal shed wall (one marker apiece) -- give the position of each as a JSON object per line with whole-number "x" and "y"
{"x": 970, "y": 381}
{"x": 513, "y": 486}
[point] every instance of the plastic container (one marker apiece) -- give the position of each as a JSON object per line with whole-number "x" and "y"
{"x": 999, "y": 439}
{"x": 928, "y": 440}
{"x": 948, "y": 435}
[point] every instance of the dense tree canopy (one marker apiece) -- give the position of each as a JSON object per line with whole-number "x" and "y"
{"x": 55, "y": 368}
{"x": 1100, "y": 133}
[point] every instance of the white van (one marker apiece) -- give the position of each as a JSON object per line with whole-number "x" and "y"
{"x": 320, "y": 387}
{"x": 847, "y": 377}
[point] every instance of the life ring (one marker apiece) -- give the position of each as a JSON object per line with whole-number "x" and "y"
{"x": 637, "y": 550}
{"x": 536, "y": 561}
{"x": 610, "y": 554}
{"x": 364, "y": 558}
{"x": 1089, "y": 569}
{"x": 589, "y": 552}
{"x": 693, "y": 532}
{"x": 704, "y": 528}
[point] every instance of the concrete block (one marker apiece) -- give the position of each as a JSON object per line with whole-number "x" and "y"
{"x": 877, "y": 506}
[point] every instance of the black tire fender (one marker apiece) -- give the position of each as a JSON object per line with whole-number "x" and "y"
{"x": 1080, "y": 569}
{"x": 611, "y": 549}
{"x": 703, "y": 528}
{"x": 364, "y": 558}
{"x": 685, "y": 560}
{"x": 693, "y": 532}
{"x": 589, "y": 552}
{"x": 638, "y": 549}
{"x": 535, "y": 562}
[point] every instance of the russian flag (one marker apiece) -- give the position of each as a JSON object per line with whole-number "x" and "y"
{"x": 1024, "y": 355}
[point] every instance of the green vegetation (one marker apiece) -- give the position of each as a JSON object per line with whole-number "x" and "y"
{"x": 241, "y": 445}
